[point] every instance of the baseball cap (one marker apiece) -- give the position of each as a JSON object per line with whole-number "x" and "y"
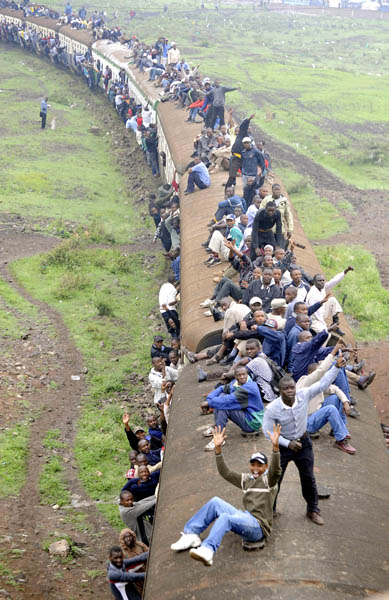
{"x": 158, "y": 338}
{"x": 256, "y": 300}
{"x": 230, "y": 218}
{"x": 278, "y": 303}
{"x": 262, "y": 458}
{"x": 246, "y": 139}
{"x": 138, "y": 428}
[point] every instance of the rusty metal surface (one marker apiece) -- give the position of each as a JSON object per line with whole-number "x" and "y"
{"x": 347, "y": 558}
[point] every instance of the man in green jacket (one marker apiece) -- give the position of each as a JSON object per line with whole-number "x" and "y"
{"x": 254, "y": 523}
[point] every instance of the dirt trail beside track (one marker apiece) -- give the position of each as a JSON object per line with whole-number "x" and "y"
{"x": 26, "y": 524}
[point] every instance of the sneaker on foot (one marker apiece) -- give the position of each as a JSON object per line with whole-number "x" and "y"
{"x": 203, "y": 554}
{"x": 206, "y": 303}
{"x": 211, "y": 446}
{"x": 345, "y": 446}
{"x": 186, "y": 541}
{"x": 208, "y": 432}
{"x": 354, "y": 413}
{"x": 201, "y": 374}
{"x": 215, "y": 262}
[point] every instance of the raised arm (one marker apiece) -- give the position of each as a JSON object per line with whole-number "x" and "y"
{"x": 219, "y": 435}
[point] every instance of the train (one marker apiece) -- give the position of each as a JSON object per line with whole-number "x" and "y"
{"x": 347, "y": 558}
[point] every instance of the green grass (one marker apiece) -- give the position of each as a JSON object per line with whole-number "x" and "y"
{"x": 367, "y": 301}
{"x": 113, "y": 345}
{"x": 61, "y": 180}
{"x": 318, "y": 84}
{"x": 51, "y": 440}
{"x": 319, "y": 217}
{"x": 13, "y": 454}
{"x": 8, "y": 575}
{"x": 76, "y": 287}
{"x": 52, "y": 485}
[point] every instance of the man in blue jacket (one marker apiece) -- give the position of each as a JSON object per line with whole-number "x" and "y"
{"x": 239, "y": 402}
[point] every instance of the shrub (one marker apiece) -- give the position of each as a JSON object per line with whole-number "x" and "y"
{"x": 70, "y": 283}
{"x": 104, "y": 306}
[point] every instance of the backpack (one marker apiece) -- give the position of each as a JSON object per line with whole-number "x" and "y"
{"x": 278, "y": 373}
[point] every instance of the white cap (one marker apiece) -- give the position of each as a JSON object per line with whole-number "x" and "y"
{"x": 246, "y": 139}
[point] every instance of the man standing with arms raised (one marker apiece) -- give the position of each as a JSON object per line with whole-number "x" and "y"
{"x": 290, "y": 411}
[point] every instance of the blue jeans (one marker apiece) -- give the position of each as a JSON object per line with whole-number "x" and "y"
{"x": 194, "y": 178}
{"x": 228, "y": 518}
{"x": 224, "y": 208}
{"x": 236, "y": 416}
{"x": 328, "y": 413}
{"x": 342, "y": 382}
{"x": 154, "y": 163}
{"x": 193, "y": 113}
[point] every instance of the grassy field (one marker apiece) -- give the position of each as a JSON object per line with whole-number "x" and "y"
{"x": 65, "y": 181}
{"x": 317, "y": 83}
{"x": 62, "y": 179}
{"x": 364, "y": 297}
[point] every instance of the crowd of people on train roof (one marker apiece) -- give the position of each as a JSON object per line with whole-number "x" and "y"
{"x": 281, "y": 369}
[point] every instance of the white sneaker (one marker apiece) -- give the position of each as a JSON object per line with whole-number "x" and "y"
{"x": 206, "y": 303}
{"x": 207, "y": 313}
{"x": 211, "y": 446}
{"x": 203, "y": 554}
{"x": 208, "y": 432}
{"x": 186, "y": 541}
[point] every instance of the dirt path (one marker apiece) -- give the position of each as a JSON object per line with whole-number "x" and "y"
{"x": 26, "y": 524}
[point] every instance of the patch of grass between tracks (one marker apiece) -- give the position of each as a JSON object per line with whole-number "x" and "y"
{"x": 13, "y": 454}
{"x": 365, "y": 300}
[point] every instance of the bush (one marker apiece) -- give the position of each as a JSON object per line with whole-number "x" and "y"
{"x": 104, "y": 306}
{"x": 65, "y": 254}
{"x": 71, "y": 283}
{"x": 100, "y": 233}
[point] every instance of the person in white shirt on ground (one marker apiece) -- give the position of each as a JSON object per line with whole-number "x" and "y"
{"x": 158, "y": 375}
{"x": 168, "y": 302}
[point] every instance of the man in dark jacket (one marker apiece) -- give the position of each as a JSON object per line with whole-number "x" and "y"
{"x": 237, "y": 149}
{"x": 158, "y": 349}
{"x": 262, "y": 232}
{"x": 121, "y": 580}
{"x": 264, "y": 289}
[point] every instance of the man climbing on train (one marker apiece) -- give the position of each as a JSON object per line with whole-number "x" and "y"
{"x": 254, "y": 523}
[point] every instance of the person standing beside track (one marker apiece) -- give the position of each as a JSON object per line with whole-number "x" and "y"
{"x": 43, "y": 112}
{"x": 290, "y": 411}
{"x": 254, "y": 523}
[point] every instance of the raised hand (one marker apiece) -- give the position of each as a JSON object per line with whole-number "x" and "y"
{"x": 275, "y": 436}
{"x": 340, "y": 362}
{"x": 219, "y": 435}
{"x": 126, "y": 420}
